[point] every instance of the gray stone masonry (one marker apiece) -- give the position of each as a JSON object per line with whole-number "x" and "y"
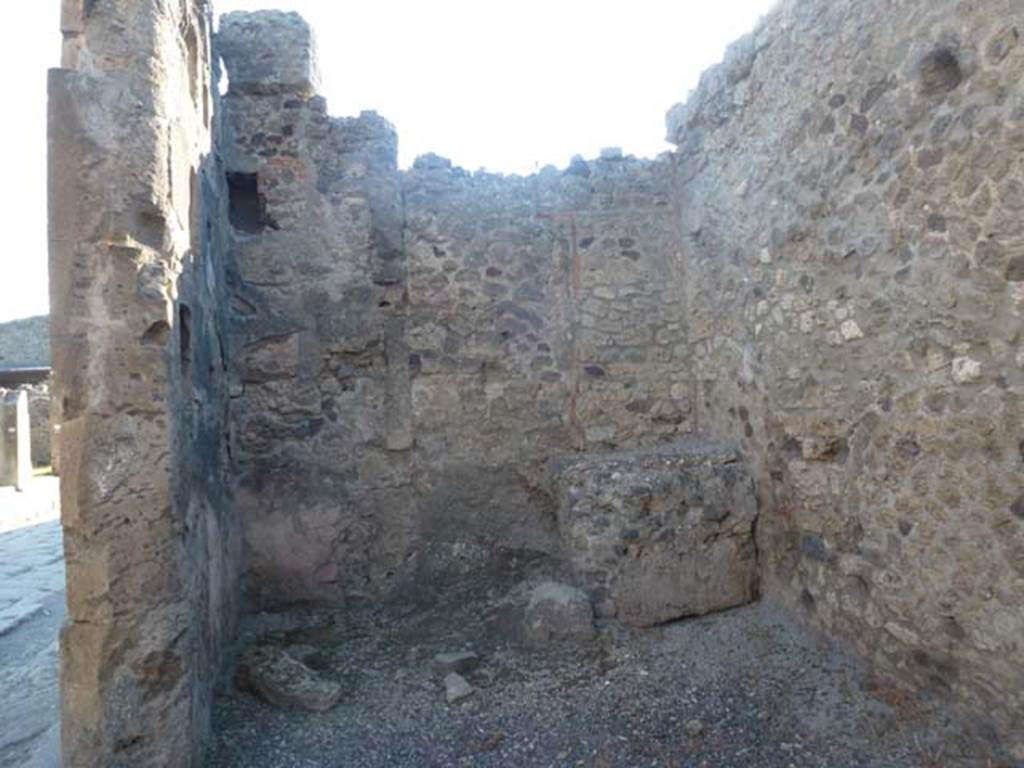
{"x": 409, "y": 349}
{"x": 136, "y": 279}
{"x": 290, "y": 372}
{"x": 269, "y": 53}
{"x": 851, "y": 182}
{"x": 660, "y": 534}
{"x": 40, "y": 408}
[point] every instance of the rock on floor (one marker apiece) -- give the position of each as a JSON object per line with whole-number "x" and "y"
{"x": 457, "y": 688}
{"x": 279, "y": 678}
{"x": 558, "y": 612}
{"x": 460, "y": 661}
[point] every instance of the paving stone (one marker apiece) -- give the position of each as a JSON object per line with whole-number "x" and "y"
{"x": 31, "y": 612}
{"x": 18, "y": 613}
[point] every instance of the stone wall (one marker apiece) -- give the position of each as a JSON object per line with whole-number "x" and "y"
{"x": 826, "y": 273}
{"x": 40, "y": 408}
{"x": 136, "y": 277}
{"x": 414, "y": 348}
{"x": 26, "y": 344}
{"x": 530, "y": 336}
{"x": 851, "y": 194}
{"x": 316, "y": 278}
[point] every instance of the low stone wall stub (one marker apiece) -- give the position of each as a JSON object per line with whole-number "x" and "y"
{"x": 656, "y": 535}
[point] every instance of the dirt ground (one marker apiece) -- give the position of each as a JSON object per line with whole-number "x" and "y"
{"x": 743, "y": 688}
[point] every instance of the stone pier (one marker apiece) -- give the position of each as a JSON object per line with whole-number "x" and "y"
{"x": 15, "y": 441}
{"x": 135, "y": 280}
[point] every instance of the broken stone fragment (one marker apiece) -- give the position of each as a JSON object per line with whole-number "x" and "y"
{"x": 457, "y": 688}
{"x": 280, "y": 679}
{"x": 558, "y": 612}
{"x": 459, "y": 661}
{"x": 694, "y": 728}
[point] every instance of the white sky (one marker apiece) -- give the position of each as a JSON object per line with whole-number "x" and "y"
{"x": 507, "y": 86}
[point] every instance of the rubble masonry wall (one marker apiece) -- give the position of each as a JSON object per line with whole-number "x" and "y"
{"x": 136, "y": 280}
{"x": 851, "y": 186}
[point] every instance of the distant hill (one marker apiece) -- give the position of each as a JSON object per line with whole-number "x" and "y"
{"x": 25, "y": 343}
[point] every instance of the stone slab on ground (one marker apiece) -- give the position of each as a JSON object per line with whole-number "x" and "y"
{"x": 281, "y": 679}
{"x": 662, "y": 533}
{"x": 17, "y": 613}
{"x": 31, "y": 556}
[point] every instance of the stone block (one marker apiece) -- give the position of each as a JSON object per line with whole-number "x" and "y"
{"x": 15, "y": 441}
{"x": 268, "y": 53}
{"x": 277, "y": 677}
{"x": 660, "y": 534}
{"x": 557, "y": 612}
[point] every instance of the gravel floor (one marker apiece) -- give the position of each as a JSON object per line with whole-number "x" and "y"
{"x": 765, "y": 693}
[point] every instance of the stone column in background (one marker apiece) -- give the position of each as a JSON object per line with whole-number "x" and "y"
{"x": 15, "y": 441}
{"x": 39, "y": 409}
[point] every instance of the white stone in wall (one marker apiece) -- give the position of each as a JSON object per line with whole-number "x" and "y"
{"x": 966, "y": 370}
